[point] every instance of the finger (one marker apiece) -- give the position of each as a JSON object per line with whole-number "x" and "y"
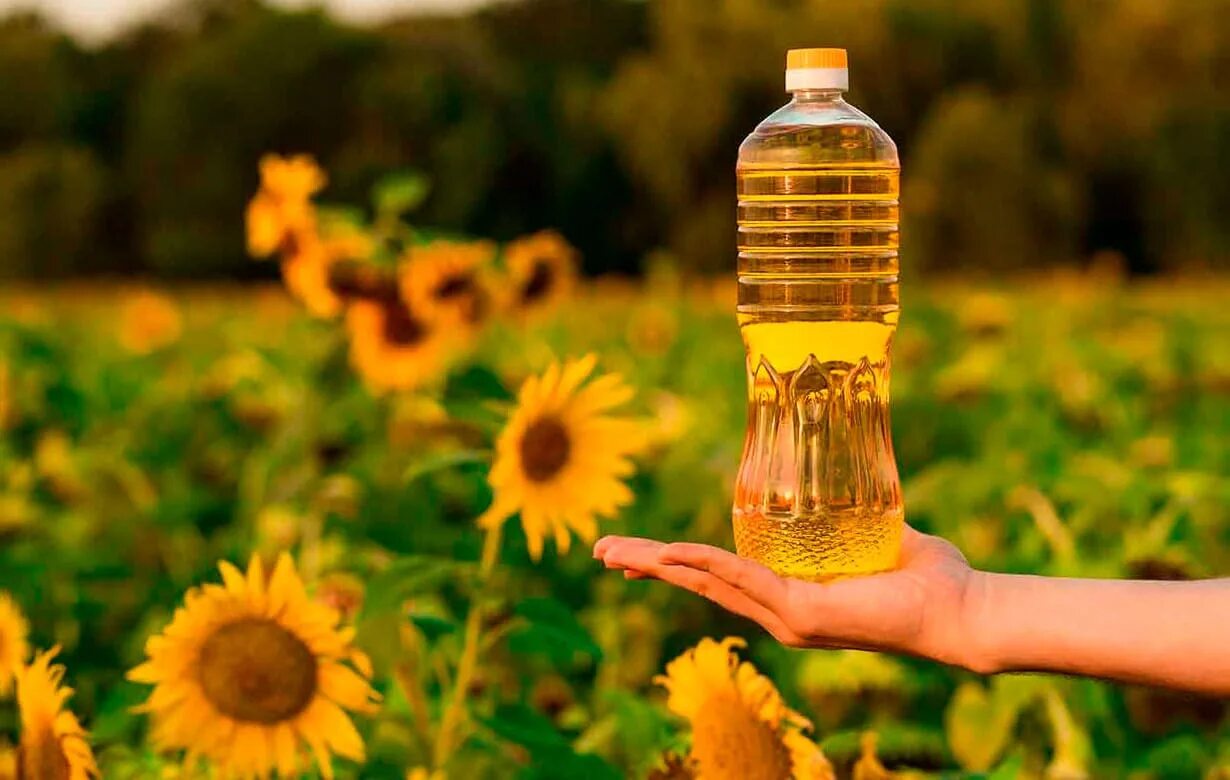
{"x": 720, "y": 593}
{"x": 603, "y": 544}
{"x": 749, "y": 577}
{"x": 631, "y": 553}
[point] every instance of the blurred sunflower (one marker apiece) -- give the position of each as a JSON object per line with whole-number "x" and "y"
{"x": 149, "y": 321}
{"x": 561, "y": 458}
{"x": 394, "y": 348}
{"x": 14, "y": 648}
{"x": 8, "y": 411}
{"x": 252, "y": 671}
{"x": 306, "y": 268}
{"x": 53, "y": 744}
{"x": 740, "y": 725}
{"x": 421, "y": 773}
{"x": 282, "y": 208}
{"x": 542, "y": 271}
{"x": 447, "y": 280}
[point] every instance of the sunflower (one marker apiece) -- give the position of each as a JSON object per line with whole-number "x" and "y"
{"x": 53, "y": 744}
{"x": 395, "y": 348}
{"x": 13, "y": 646}
{"x": 282, "y": 208}
{"x": 542, "y": 271}
{"x": 149, "y": 321}
{"x": 252, "y": 672}
{"x": 447, "y": 280}
{"x": 561, "y": 459}
{"x": 307, "y": 267}
{"x": 741, "y": 728}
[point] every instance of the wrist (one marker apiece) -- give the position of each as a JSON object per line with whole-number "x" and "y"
{"x": 977, "y": 648}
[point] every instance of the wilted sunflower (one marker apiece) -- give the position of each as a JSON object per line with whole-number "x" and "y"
{"x": 149, "y": 321}
{"x": 447, "y": 280}
{"x": 282, "y": 208}
{"x": 542, "y": 270}
{"x": 53, "y": 744}
{"x": 741, "y": 728}
{"x": 561, "y": 458}
{"x": 307, "y": 264}
{"x": 395, "y": 348}
{"x": 13, "y": 645}
{"x": 252, "y": 672}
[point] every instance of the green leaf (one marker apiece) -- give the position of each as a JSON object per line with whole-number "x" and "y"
{"x": 409, "y": 575}
{"x": 551, "y": 630}
{"x": 978, "y": 730}
{"x": 441, "y": 461}
{"x": 475, "y": 383}
{"x": 523, "y": 726}
{"x": 337, "y": 216}
{"x": 399, "y": 193}
{"x": 568, "y": 765}
{"x": 1009, "y": 768}
{"x": 433, "y": 627}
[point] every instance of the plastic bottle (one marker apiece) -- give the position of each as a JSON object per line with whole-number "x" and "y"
{"x": 817, "y": 494}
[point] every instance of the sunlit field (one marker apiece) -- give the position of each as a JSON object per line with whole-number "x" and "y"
{"x": 1069, "y": 424}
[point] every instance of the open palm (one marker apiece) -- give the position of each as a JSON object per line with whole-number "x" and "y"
{"x": 919, "y": 608}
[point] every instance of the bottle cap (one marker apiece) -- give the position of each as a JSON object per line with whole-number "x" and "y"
{"x": 816, "y": 69}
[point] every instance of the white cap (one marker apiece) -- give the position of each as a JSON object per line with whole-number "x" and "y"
{"x": 816, "y": 69}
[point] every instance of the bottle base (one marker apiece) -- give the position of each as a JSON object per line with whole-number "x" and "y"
{"x": 822, "y": 547}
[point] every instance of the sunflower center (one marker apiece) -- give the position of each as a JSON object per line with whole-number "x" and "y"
{"x": 540, "y": 282}
{"x": 728, "y": 740}
{"x": 544, "y": 449}
{"x": 454, "y": 286}
{"x": 42, "y": 758}
{"x": 254, "y": 670}
{"x": 350, "y": 279}
{"x": 401, "y": 327}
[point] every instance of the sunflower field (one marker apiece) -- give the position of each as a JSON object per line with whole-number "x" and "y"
{"x": 340, "y": 527}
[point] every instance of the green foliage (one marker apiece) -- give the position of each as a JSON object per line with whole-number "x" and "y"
{"x": 1071, "y": 425}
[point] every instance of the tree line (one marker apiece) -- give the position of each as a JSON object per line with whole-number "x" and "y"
{"x": 1033, "y": 132}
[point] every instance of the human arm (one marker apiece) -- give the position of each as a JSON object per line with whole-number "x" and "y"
{"x": 934, "y": 605}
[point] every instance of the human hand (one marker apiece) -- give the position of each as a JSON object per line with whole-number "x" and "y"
{"x": 925, "y": 607}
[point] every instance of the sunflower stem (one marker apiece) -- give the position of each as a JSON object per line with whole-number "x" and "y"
{"x": 455, "y": 713}
{"x": 413, "y": 691}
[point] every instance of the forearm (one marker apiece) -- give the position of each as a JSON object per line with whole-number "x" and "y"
{"x": 1173, "y": 634}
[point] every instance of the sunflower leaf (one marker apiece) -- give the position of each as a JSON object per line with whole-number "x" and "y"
{"x": 552, "y": 630}
{"x": 523, "y": 726}
{"x": 568, "y": 765}
{"x": 433, "y": 627}
{"x": 441, "y": 461}
{"x": 409, "y": 575}
{"x": 399, "y": 193}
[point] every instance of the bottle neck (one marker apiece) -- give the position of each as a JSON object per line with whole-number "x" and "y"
{"x": 816, "y": 95}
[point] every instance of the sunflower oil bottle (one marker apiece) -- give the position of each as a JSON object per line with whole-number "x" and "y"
{"x": 817, "y": 494}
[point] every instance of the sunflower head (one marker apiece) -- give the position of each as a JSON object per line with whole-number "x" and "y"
{"x": 53, "y": 744}
{"x": 395, "y": 347}
{"x": 307, "y": 267}
{"x": 282, "y": 207}
{"x": 149, "y": 321}
{"x": 252, "y": 673}
{"x": 562, "y": 457}
{"x": 542, "y": 271}
{"x": 740, "y": 725}
{"x": 448, "y": 281}
{"x": 14, "y": 647}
